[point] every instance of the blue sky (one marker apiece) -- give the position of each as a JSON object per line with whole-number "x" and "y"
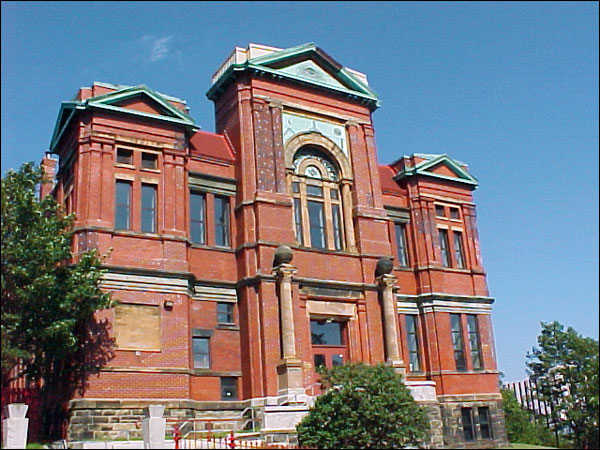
{"x": 511, "y": 89}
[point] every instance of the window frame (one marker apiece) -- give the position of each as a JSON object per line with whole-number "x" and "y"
{"x": 208, "y": 352}
{"x": 414, "y": 318}
{"x": 123, "y": 206}
{"x": 401, "y": 244}
{"x": 488, "y": 422}
{"x": 153, "y": 209}
{"x": 444, "y": 242}
{"x": 235, "y": 397}
{"x": 229, "y": 313}
{"x": 202, "y": 222}
{"x": 459, "y": 250}
{"x": 222, "y": 223}
{"x": 458, "y": 345}
{"x": 470, "y": 425}
{"x": 474, "y": 337}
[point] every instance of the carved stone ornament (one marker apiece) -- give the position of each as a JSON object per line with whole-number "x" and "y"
{"x": 283, "y": 255}
{"x": 385, "y": 266}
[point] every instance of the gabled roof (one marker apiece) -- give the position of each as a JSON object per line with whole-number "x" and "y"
{"x": 438, "y": 166}
{"x": 305, "y": 64}
{"x": 157, "y": 107}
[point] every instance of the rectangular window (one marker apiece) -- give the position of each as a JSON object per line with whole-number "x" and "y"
{"x": 298, "y": 220}
{"x": 457, "y": 342}
{"x": 229, "y": 388}
{"x": 401, "y": 244}
{"x": 484, "y": 422}
{"x": 224, "y": 312}
{"x": 149, "y": 160}
{"x": 333, "y": 193}
{"x": 459, "y": 254}
{"x": 337, "y": 226}
{"x": 295, "y": 187}
{"x": 319, "y": 361}
{"x": 473, "y": 332}
{"x": 123, "y": 205}
{"x": 314, "y": 191}
{"x": 221, "y": 221}
{"x": 444, "y": 247}
{"x": 148, "y": 208}
{"x": 413, "y": 343}
{"x": 316, "y": 219}
{"x": 201, "y": 350}
{"x": 124, "y": 156}
{"x": 198, "y": 217}
{"x": 467, "y": 423}
{"x": 440, "y": 211}
{"x": 325, "y": 332}
{"x": 454, "y": 214}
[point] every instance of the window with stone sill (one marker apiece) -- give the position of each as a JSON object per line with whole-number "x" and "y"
{"x": 316, "y": 191}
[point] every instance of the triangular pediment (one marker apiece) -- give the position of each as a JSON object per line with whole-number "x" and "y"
{"x": 439, "y": 166}
{"x": 139, "y": 100}
{"x": 306, "y": 64}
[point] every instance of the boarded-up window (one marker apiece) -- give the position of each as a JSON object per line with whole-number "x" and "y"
{"x": 137, "y": 327}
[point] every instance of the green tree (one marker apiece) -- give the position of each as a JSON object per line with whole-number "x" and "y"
{"x": 522, "y": 426}
{"x": 48, "y": 296}
{"x": 565, "y": 368}
{"x": 363, "y": 407}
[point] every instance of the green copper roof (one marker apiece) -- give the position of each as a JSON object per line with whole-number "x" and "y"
{"x": 324, "y": 73}
{"x": 107, "y": 102}
{"x": 430, "y": 161}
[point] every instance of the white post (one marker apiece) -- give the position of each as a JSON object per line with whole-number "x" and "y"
{"x": 14, "y": 427}
{"x": 154, "y": 426}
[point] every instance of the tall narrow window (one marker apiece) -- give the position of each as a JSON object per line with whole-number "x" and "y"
{"x": 459, "y": 254}
{"x": 444, "y": 247}
{"x": 467, "y": 423}
{"x": 221, "y": 221}
{"x": 298, "y": 220}
{"x": 337, "y": 226}
{"x": 148, "y": 208}
{"x": 123, "y": 205}
{"x": 401, "y": 244}
{"x": 457, "y": 342}
{"x": 317, "y": 224}
{"x": 201, "y": 352}
{"x": 413, "y": 343}
{"x": 485, "y": 427}
{"x": 474, "y": 341}
{"x": 198, "y": 217}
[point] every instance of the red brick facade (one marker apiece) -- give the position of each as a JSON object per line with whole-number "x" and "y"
{"x": 266, "y": 113}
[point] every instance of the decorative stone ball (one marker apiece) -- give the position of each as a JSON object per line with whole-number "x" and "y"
{"x": 283, "y": 255}
{"x": 385, "y": 265}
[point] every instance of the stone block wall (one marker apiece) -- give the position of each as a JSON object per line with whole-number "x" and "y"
{"x": 453, "y": 426}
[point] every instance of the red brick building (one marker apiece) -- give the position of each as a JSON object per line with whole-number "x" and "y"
{"x": 209, "y": 320}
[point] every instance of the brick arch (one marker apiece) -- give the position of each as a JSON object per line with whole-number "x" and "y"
{"x": 325, "y": 144}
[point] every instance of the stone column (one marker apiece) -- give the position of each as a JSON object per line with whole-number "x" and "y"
{"x": 14, "y": 427}
{"x": 348, "y": 219}
{"x": 154, "y": 426}
{"x": 386, "y": 283}
{"x": 290, "y": 369}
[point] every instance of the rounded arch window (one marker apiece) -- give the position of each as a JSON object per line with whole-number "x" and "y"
{"x": 315, "y": 186}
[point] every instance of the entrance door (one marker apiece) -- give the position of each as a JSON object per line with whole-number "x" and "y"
{"x": 329, "y": 345}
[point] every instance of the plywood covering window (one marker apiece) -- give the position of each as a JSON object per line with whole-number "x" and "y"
{"x": 137, "y": 327}
{"x": 318, "y": 214}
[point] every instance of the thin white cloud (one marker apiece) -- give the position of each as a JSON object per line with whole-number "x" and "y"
{"x": 159, "y": 46}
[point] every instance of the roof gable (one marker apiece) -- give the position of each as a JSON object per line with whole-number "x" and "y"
{"x": 439, "y": 166}
{"x": 138, "y": 101}
{"x": 306, "y": 64}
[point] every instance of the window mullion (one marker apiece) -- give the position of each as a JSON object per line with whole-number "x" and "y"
{"x": 328, "y": 218}
{"x": 305, "y": 218}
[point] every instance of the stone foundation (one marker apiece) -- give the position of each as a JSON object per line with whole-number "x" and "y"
{"x": 121, "y": 419}
{"x": 452, "y": 421}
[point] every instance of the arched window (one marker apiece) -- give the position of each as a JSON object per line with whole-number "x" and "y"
{"x": 317, "y": 197}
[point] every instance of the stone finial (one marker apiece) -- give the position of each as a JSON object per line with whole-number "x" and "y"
{"x": 385, "y": 265}
{"x": 283, "y": 255}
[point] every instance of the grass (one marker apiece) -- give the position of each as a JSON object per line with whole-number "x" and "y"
{"x": 525, "y": 446}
